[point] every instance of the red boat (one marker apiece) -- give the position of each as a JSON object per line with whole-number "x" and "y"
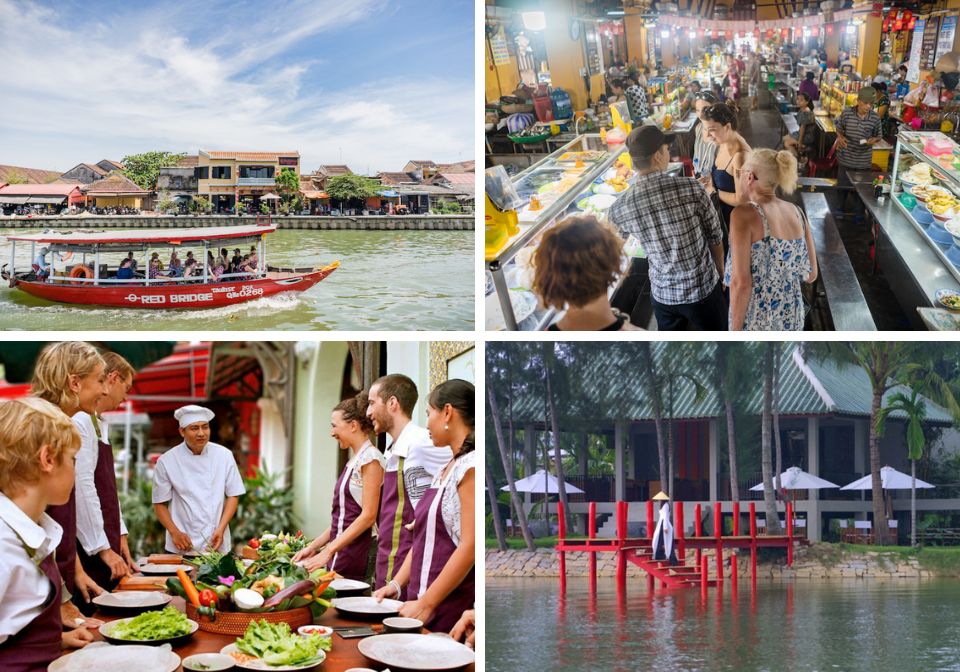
{"x": 87, "y": 276}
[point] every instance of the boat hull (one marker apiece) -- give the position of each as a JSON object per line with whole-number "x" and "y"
{"x": 187, "y": 296}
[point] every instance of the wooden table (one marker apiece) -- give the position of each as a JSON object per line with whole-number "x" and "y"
{"x": 343, "y": 655}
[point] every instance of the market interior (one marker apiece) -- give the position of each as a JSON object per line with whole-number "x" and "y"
{"x": 567, "y": 80}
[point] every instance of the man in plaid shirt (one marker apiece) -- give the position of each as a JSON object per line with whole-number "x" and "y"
{"x": 679, "y": 229}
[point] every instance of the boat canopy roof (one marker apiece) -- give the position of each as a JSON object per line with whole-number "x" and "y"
{"x": 168, "y": 236}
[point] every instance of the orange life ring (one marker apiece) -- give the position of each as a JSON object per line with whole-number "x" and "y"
{"x": 79, "y": 270}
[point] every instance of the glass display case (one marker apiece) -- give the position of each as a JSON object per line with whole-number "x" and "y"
{"x": 926, "y": 188}
{"x": 577, "y": 178}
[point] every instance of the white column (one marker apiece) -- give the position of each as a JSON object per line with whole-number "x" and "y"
{"x": 621, "y": 435}
{"x": 813, "y": 466}
{"x": 714, "y": 453}
{"x": 529, "y": 457}
{"x": 96, "y": 265}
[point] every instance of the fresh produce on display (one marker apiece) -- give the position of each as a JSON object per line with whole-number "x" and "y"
{"x": 276, "y": 645}
{"x": 919, "y": 173}
{"x": 152, "y": 626}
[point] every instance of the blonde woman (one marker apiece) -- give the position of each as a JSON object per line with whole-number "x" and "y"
{"x": 771, "y": 247}
{"x": 71, "y": 376}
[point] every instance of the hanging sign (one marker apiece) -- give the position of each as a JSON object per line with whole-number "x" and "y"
{"x": 929, "y": 47}
{"x": 498, "y": 47}
{"x": 948, "y": 28}
{"x": 913, "y": 65}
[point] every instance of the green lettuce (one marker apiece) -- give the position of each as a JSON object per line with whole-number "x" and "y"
{"x": 153, "y": 625}
{"x": 276, "y": 645}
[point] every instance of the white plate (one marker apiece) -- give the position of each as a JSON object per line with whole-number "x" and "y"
{"x": 367, "y": 606}
{"x": 260, "y": 665}
{"x": 524, "y": 304}
{"x": 107, "y": 631}
{"x": 942, "y": 294}
{"x": 348, "y": 584}
{"x": 109, "y": 658}
{"x": 132, "y": 599}
{"x": 417, "y": 652}
{"x": 151, "y": 568}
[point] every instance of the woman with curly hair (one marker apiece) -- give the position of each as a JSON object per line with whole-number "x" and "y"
{"x": 344, "y": 547}
{"x": 574, "y": 266}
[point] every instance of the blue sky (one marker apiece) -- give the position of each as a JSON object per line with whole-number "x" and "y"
{"x": 376, "y": 82}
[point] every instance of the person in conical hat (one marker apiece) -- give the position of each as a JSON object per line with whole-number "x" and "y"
{"x": 663, "y": 533}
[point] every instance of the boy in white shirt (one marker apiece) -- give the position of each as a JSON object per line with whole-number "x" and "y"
{"x": 38, "y": 446}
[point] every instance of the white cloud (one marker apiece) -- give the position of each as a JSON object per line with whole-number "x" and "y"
{"x": 135, "y": 85}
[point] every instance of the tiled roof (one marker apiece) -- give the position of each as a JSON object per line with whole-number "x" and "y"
{"x": 456, "y": 178}
{"x": 53, "y": 189}
{"x": 36, "y": 175}
{"x": 396, "y": 178}
{"x": 334, "y": 170}
{"x": 189, "y": 161}
{"x": 115, "y": 164}
{"x": 248, "y": 156}
{"x": 95, "y": 168}
{"x": 460, "y": 167}
{"x": 423, "y": 164}
{"x": 806, "y": 389}
{"x": 115, "y": 184}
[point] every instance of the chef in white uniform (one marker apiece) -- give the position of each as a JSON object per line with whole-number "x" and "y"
{"x": 196, "y": 487}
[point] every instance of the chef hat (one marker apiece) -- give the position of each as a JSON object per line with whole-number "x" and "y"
{"x": 187, "y": 415}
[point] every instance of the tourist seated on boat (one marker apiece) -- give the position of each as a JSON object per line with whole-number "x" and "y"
{"x": 155, "y": 267}
{"x": 133, "y": 262}
{"x": 251, "y": 263}
{"x": 175, "y": 267}
{"x": 219, "y": 268}
{"x": 236, "y": 261}
{"x": 125, "y": 272}
{"x": 189, "y": 266}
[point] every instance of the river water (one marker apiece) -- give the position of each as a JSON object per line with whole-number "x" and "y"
{"x": 850, "y": 625}
{"x": 404, "y": 280}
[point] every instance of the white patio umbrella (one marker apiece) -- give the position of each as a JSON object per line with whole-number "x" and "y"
{"x": 796, "y": 478}
{"x": 542, "y": 482}
{"x": 270, "y": 197}
{"x": 890, "y": 479}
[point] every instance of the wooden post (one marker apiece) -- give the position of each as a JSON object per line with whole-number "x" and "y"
{"x": 753, "y": 544}
{"x": 698, "y": 529}
{"x": 650, "y": 520}
{"x": 621, "y": 554}
{"x": 789, "y": 533}
{"x": 733, "y": 572}
{"x": 718, "y": 533}
{"x": 736, "y": 519}
{"x": 678, "y": 525}
{"x": 562, "y": 533}
{"x": 592, "y": 534}
{"x": 704, "y": 570}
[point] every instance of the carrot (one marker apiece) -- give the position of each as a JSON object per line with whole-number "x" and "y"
{"x": 189, "y": 588}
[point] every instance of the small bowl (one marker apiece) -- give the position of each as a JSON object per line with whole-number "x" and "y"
{"x": 922, "y": 215}
{"x": 400, "y": 624}
{"x": 322, "y": 630}
{"x": 209, "y": 662}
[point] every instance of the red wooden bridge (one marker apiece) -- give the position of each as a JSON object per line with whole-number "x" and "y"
{"x": 689, "y": 572}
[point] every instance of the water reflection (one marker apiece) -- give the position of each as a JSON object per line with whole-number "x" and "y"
{"x": 802, "y": 626}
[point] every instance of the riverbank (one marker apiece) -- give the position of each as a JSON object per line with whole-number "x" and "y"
{"x": 310, "y": 223}
{"x": 818, "y": 561}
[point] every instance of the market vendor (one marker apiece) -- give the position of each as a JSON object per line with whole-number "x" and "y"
{"x": 411, "y": 463}
{"x": 101, "y": 535}
{"x": 38, "y": 444}
{"x": 196, "y": 487}
{"x": 344, "y": 547}
{"x": 859, "y": 128}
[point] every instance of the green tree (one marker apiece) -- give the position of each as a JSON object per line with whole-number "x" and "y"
{"x": 676, "y": 372}
{"x": 288, "y": 185}
{"x": 167, "y": 205}
{"x": 144, "y": 168}
{"x": 447, "y": 208}
{"x": 770, "y": 362}
{"x": 352, "y": 187}
{"x": 727, "y": 367}
{"x": 653, "y": 387}
{"x": 201, "y": 204}
{"x": 915, "y": 409}
{"x": 15, "y": 177}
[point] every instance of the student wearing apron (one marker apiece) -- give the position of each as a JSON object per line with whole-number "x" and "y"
{"x": 344, "y": 547}
{"x": 38, "y": 444}
{"x": 70, "y": 375}
{"x": 438, "y": 572}
{"x": 101, "y": 535}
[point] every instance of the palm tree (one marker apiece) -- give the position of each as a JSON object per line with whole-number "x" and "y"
{"x": 652, "y": 386}
{"x": 548, "y": 360}
{"x": 675, "y": 371}
{"x": 916, "y": 410}
{"x": 766, "y": 461}
{"x": 775, "y": 410}
{"x": 725, "y": 366}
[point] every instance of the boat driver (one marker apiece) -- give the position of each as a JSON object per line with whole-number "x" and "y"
{"x": 40, "y": 267}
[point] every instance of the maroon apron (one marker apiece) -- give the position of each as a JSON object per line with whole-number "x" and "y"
{"x": 37, "y": 645}
{"x": 350, "y": 561}
{"x": 66, "y": 517}
{"x": 396, "y": 512}
{"x": 105, "y": 483}
{"x": 448, "y": 612}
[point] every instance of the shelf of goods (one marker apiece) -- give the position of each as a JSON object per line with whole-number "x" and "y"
{"x": 926, "y": 185}
{"x": 578, "y": 178}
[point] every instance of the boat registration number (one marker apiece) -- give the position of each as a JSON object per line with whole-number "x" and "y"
{"x": 198, "y": 297}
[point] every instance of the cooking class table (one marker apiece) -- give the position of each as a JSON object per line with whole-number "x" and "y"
{"x": 343, "y": 655}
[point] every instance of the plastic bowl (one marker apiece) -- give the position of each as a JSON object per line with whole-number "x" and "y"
{"x": 908, "y": 201}
{"x": 322, "y": 630}
{"x": 939, "y": 235}
{"x": 399, "y": 624}
{"x": 209, "y": 661}
{"x": 922, "y": 215}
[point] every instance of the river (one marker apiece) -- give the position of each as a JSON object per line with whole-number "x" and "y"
{"x": 404, "y": 280}
{"x": 850, "y": 625}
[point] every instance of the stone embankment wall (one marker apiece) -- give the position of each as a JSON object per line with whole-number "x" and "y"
{"x": 816, "y": 562}
{"x": 371, "y": 223}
